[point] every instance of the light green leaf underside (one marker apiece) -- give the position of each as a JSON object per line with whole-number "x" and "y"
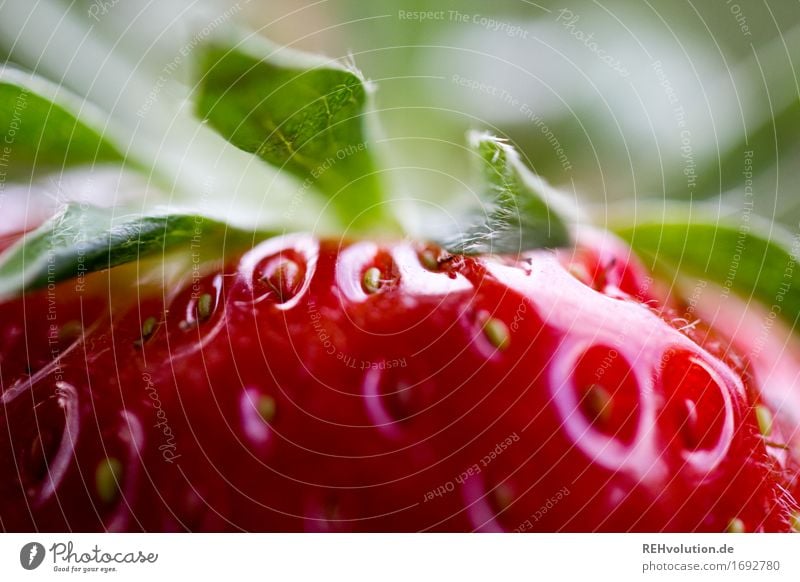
{"x": 84, "y": 239}
{"x": 47, "y": 129}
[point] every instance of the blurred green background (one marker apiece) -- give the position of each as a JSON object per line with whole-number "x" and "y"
{"x": 616, "y": 101}
{"x": 648, "y": 100}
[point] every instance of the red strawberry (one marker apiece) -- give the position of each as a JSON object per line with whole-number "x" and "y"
{"x": 359, "y": 386}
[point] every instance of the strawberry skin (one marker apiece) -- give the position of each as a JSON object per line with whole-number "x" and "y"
{"x": 325, "y": 386}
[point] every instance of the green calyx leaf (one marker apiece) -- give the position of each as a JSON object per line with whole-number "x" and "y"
{"x": 83, "y": 239}
{"x": 297, "y": 112}
{"x": 738, "y": 257}
{"x": 522, "y": 212}
{"x": 46, "y": 128}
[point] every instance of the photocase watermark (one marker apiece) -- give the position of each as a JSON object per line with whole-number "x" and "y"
{"x": 519, "y": 316}
{"x": 473, "y": 470}
{"x": 523, "y": 108}
{"x": 184, "y": 51}
{"x": 492, "y": 24}
{"x": 569, "y": 20}
{"x": 539, "y": 514}
{"x": 67, "y": 559}
{"x": 31, "y": 555}
{"x": 168, "y": 446}
{"x": 100, "y": 8}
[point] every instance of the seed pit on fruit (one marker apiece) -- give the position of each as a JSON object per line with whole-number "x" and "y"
{"x": 45, "y": 424}
{"x": 371, "y": 281}
{"x": 107, "y": 479}
{"x": 258, "y": 412}
{"x": 502, "y": 497}
{"x": 735, "y": 525}
{"x": 326, "y": 513}
{"x": 607, "y": 392}
{"x": 284, "y": 276}
{"x": 695, "y": 408}
{"x": 606, "y": 265}
{"x": 596, "y": 404}
{"x": 480, "y": 503}
{"x": 148, "y": 329}
{"x": 429, "y": 259}
{"x": 277, "y": 271}
{"x": 396, "y": 397}
{"x": 489, "y": 332}
{"x": 117, "y": 473}
{"x": 583, "y": 264}
{"x": 381, "y": 276}
{"x": 279, "y": 277}
{"x": 204, "y": 300}
{"x": 580, "y": 272}
{"x": 266, "y": 408}
{"x": 37, "y": 459}
{"x": 495, "y": 330}
{"x": 363, "y": 269}
{"x": 436, "y": 259}
{"x": 764, "y": 419}
{"x": 427, "y": 271}
{"x": 204, "y": 307}
{"x": 390, "y": 400}
{"x": 69, "y": 332}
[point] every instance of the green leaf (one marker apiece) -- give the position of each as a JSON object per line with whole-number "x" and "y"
{"x": 521, "y": 212}
{"x": 736, "y": 256}
{"x": 83, "y": 239}
{"x": 46, "y": 128}
{"x": 297, "y": 112}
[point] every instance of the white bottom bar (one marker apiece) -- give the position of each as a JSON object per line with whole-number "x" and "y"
{"x": 389, "y": 557}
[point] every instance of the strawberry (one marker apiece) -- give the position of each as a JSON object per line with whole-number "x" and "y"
{"x": 318, "y": 385}
{"x": 167, "y": 365}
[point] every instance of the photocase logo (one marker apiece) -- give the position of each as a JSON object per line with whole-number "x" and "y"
{"x": 31, "y": 555}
